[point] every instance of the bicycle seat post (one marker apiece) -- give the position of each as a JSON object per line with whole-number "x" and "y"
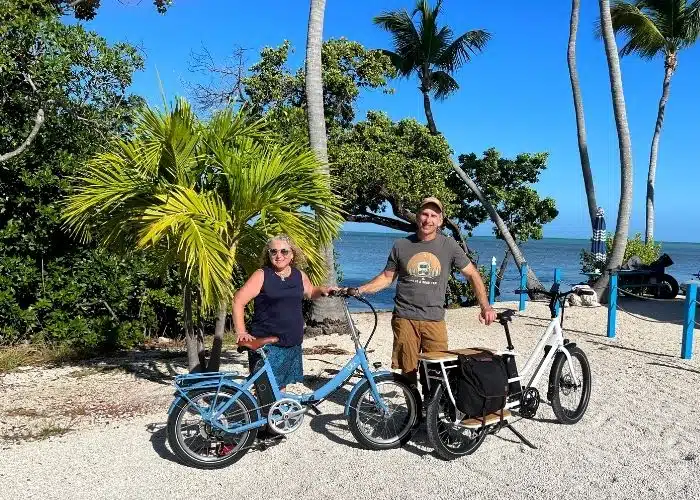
{"x": 510, "y": 342}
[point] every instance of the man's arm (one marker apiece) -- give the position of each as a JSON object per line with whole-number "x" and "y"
{"x": 379, "y": 282}
{"x": 488, "y": 315}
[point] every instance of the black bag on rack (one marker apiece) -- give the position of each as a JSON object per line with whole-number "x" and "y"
{"x": 482, "y": 384}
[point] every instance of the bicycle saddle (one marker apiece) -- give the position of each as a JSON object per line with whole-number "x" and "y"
{"x": 506, "y": 315}
{"x": 257, "y": 343}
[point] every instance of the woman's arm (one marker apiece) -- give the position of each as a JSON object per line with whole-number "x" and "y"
{"x": 314, "y": 292}
{"x": 245, "y": 294}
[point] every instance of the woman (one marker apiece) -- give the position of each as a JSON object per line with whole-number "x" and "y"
{"x": 277, "y": 289}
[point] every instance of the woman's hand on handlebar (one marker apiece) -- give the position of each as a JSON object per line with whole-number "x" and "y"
{"x": 244, "y": 337}
{"x": 487, "y": 315}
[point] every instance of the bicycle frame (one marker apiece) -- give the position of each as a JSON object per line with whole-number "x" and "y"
{"x": 553, "y": 337}
{"x": 226, "y": 379}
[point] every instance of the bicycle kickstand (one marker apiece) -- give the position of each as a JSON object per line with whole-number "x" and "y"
{"x": 521, "y": 437}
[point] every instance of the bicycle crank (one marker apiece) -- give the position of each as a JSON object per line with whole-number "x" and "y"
{"x": 285, "y": 416}
{"x": 529, "y": 403}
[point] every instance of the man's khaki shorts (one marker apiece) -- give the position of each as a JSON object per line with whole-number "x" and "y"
{"x": 412, "y": 337}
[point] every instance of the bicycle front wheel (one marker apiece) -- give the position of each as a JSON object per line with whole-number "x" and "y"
{"x": 570, "y": 392}
{"x": 375, "y": 429}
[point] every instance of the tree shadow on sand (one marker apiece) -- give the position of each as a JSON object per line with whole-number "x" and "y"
{"x": 159, "y": 366}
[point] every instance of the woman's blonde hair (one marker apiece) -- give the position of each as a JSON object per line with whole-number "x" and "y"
{"x": 298, "y": 257}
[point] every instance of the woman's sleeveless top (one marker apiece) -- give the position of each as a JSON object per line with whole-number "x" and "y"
{"x": 278, "y": 308}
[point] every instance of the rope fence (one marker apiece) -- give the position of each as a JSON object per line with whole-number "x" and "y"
{"x": 691, "y": 302}
{"x": 689, "y": 322}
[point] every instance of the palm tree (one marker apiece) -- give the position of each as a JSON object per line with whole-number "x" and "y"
{"x": 326, "y": 309}
{"x": 432, "y": 53}
{"x": 578, "y": 107}
{"x": 205, "y": 196}
{"x": 653, "y": 28}
{"x": 615, "y": 257}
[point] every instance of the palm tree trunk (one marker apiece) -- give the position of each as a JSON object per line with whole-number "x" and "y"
{"x": 193, "y": 362}
{"x": 625, "y": 147}
{"x": 578, "y": 107}
{"x": 533, "y": 283}
{"x": 670, "y": 67}
{"x": 429, "y": 112}
{"x": 502, "y": 272}
{"x": 218, "y": 342}
{"x": 325, "y": 310}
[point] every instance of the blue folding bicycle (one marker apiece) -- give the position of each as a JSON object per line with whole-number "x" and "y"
{"x": 215, "y": 417}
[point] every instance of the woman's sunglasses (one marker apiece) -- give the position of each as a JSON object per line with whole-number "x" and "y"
{"x": 283, "y": 251}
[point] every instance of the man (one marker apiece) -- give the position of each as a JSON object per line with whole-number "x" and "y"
{"x": 423, "y": 263}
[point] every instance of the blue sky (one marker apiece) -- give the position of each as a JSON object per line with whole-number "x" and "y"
{"x": 515, "y": 96}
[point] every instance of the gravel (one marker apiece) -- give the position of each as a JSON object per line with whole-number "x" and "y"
{"x": 639, "y": 438}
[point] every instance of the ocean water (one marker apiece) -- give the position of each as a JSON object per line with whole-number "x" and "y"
{"x": 363, "y": 255}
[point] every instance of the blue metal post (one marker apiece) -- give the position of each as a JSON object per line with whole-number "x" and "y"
{"x": 523, "y": 286}
{"x": 612, "y": 306}
{"x": 557, "y": 279}
{"x": 691, "y": 294}
{"x": 492, "y": 282}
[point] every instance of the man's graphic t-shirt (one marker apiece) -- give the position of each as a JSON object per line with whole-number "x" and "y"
{"x": 423, "y": 269}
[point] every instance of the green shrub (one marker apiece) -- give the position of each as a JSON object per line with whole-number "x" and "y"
{"x": 647, "y": 252}
{"x": 90, "y": 301}
{"x": 460, "y": 292}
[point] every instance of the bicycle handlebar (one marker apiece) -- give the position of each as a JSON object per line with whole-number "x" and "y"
{"x": 354, "y": 293}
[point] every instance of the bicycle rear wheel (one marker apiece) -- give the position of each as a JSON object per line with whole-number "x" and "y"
{"x": 196, "y": 443}
{"x": 375, "y": 430}
{"x": 448, "y": 440}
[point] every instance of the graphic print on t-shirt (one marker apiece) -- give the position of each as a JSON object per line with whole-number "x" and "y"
{"x": 422, "y": 267}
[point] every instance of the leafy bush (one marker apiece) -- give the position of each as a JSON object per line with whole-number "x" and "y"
{"x": 647, "y": 252}
{"x": 89, "y": 301}
{"x": 460, "y": 292}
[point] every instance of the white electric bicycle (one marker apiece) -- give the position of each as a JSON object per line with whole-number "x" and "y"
{"x": 453, "y": 434}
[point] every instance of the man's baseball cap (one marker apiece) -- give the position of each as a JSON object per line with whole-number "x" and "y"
{"x": 431, "y": 201}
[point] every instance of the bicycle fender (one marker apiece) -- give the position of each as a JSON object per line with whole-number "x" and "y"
{"x": 360, "y": 384}
{"x": 562, "y": 352}
{"x": 179, "y": 394}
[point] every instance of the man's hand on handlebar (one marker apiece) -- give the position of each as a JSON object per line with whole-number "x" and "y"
{"x": 344, "y": 292}
{"x": 487, "y": 315}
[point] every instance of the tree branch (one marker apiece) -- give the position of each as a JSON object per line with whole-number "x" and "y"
{"x": 404, "y": 213}
{"x": 382, "y": 221}
{"x": 38, "y": 121}
{"x": 457, "y": 235}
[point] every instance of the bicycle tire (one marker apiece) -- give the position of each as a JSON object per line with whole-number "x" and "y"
{"x": 556, "y": 384}
{"x": 410, "y": 422}
{"x": 189, "y": 458}
{"x": 434, "y": 421}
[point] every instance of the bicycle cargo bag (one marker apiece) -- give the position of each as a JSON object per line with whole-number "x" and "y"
{"x": 482, "y": 384}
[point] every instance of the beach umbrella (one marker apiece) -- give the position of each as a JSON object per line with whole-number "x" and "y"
{"x": 598, "y": 248}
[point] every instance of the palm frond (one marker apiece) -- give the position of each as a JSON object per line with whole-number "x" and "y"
{"x": 197, "y": 221}
{"x": 642, "y": 34}
{"x": 690, "y": 29}
{"x": 404, "y": 66}
{"x": 406, "y": 39}
{"x": 442, "y": 84}
{"x": 457, "y": 53}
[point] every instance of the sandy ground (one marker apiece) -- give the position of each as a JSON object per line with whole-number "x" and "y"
{"x": 103, "y": 434}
